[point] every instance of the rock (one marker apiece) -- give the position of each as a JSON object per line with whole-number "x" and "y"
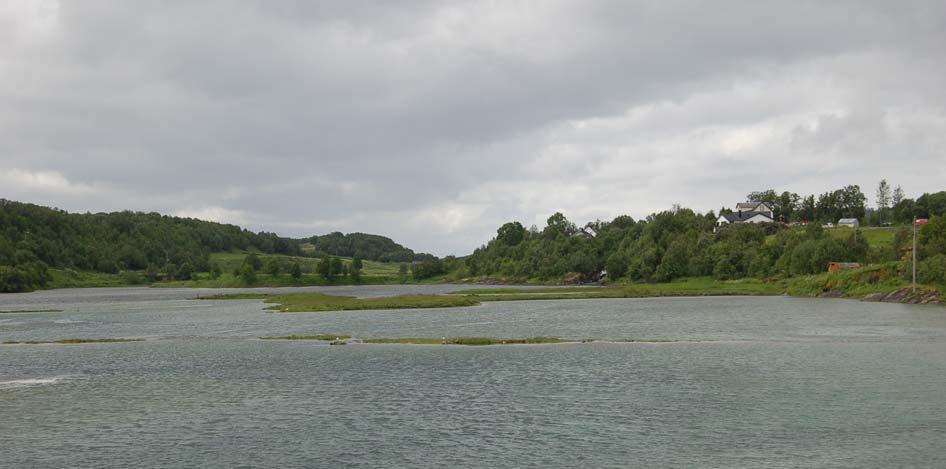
{"x": 907, "y": 296}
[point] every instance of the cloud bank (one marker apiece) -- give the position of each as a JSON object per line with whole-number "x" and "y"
{"x": 435, "y": 122}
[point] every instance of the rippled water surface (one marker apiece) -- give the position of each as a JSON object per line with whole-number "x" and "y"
{"x": 750, "y": 382}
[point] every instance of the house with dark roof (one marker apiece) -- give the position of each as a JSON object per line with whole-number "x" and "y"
{"x": 755, "y": 207}
{"x": 747, "y": 212}
{"x": 744, "y": 217}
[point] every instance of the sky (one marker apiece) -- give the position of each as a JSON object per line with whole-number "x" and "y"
{"x": 434, "y": 122}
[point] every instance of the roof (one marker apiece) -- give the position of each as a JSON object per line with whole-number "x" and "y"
{"x": 848, "y": 220}
{"x": 738, "y": 217}
{"x": 752, "y": 206}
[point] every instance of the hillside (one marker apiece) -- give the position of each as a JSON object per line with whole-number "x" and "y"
{"x": 362, "y": 245}
{"x": 39, "y": 245}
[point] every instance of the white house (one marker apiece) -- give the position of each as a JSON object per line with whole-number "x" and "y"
{"x": 852, "y": 222}
{"x": 755, "y": 207}
{"x": 747, "y": 212}
{"x": 744, "y": 217}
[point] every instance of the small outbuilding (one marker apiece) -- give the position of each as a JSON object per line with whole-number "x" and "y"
{"x": 833, "y": 266}
{"x": 852, "y": 222}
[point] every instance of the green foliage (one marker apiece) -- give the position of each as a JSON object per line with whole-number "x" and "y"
{"x": 273, "y": 267}
{"x": 355, "y": 270}
{"x": 473, "y": 341}
{"x": 295, "y": 271}
{"x": 511, "y": 233}
{"x": 325, "y": 337}
{"x": 314, "y": 302}
{"x": 26, "y": 276}
{"x": 248, "y": 274}
{"x": 253, "y": 261}
{"x": 932, "y": 270}
{"x": 364, "y": 246}
{"x": 669, "y": 245}
{"x": 114, "y": 242}
{"x": 429, "y": 268}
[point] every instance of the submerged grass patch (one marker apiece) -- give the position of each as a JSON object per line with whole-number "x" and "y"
{"x": 307, "y": 337}
{"x": 315, "y": 302}
{"x": 71, "y": 341}
{"x": 469, "y": 340}
{"x": 696, "y": 286}
{"x": 472, "y": 341}
{"x": 18, "y": 311}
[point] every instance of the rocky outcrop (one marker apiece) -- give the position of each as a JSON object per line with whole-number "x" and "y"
{"x": 908, "y": 296}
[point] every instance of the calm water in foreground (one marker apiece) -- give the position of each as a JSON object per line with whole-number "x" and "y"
{"x": 752, "y": 382}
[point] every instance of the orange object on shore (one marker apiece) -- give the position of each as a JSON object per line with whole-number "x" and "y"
{"x": 833, "y": 266}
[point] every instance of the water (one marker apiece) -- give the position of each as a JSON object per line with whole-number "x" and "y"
{"x": 753, "y": 382}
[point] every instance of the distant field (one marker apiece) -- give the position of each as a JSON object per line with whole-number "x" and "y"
{"x": 67, "y": 278}
{"x": 229, "y": 261}
{"x": 875, "y": 236}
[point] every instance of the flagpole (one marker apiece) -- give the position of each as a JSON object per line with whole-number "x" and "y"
{"x": 914, "y": 254}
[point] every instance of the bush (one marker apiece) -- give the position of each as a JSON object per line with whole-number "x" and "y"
{"x": 132, "y": 278}
{"x": 932, "y": 269}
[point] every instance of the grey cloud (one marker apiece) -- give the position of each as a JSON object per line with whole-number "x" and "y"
{"x": 370, "y": 116}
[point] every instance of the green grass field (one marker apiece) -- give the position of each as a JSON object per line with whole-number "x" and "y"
{"x": 69, "y": 341}
{"x": 875, "y": 236}
{"x": 68, "y": 278}
{"x": 315, "y": 302}
{"x": 229, "y": 261}
{"x": 23, "y": 311}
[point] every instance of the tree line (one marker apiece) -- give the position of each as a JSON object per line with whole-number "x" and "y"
{"x": 34, "y": 238}
{"x": 891, "y": 205}
{"x": 364, "y": 246}
{"x": 680, "y": 243}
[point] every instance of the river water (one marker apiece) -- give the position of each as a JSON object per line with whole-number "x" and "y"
{"x": 749, "y": 382}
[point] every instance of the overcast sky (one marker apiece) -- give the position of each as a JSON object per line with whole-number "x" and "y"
{"x": 433, "y": 122}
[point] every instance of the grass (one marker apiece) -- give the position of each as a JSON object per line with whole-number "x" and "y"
{"x": 315, "y": 302}
{"x": 473, "y": 341}
{"x": 469, "y": 340}
{"x": 877, "y": 278}
{"x": 70, "y": 341}
{"x": 853, "y": 283}
{"x": 68, "y": 278}
{"x": 694, "y": 286}
{"x": 228, "y": 280}
{"x": 229, "y": 261}
{"x": 18, "y": 311}
{"x": 876, "y": 236}
{"x": 307, "y": 337}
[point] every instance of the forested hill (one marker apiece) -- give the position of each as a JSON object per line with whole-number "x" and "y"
{"x": 365, "y": 246}
{"x": 33, "y": 238}
{"x": 683, "y": 243}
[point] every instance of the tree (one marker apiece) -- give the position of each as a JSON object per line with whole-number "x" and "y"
{"x": 184, "y": 272}
{"x": 338, "y": 267}
{"x": 428, "y": 268}
{"x": 273, "y": 267}
{"x": 295, "y": 271}
{"x": 897, "y": 196}
{"x": 248, "y": 274}
{"x": 675, "y": 260}
{"x": 215, "y": 271}
{"x": 883, "y": 200}
{"x": 403, "y": 269}
{"x": 558, "y": 225}
{"x": 325, "y": 269}
{"x": 511, "y": 233}
{"x": 253, "y": 261}
{"x": 883, "y": 195}
{"x": 355, "y": 271}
